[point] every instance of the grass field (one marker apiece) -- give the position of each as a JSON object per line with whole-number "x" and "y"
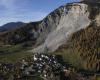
{"x": 13, "y": 53}
{"x": 70, "y": 57}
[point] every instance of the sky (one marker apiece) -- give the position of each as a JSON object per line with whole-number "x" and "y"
{"x": 27, "y": 10}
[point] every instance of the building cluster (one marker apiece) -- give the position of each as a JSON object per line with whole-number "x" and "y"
{"x": 45, "y": 66}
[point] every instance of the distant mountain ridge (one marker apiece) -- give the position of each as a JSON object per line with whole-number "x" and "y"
{"x": 11, "y": 25}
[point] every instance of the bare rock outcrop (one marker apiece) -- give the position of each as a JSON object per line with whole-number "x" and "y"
{"x": 72, "y": 18}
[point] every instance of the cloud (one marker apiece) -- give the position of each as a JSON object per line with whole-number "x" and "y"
{"x": 17, "y": 12}
{"x": 7, "y": 3}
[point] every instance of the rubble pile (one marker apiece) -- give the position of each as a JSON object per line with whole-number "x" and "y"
{"x": 45, "y": 66}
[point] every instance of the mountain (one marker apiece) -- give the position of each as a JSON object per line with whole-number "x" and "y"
{"x": 11, "y": 25}
{"x": 72, "y": 31}
{"x": 96, "y": 1}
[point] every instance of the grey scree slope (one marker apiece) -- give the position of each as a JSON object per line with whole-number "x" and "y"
{"x": 71, "y": 20}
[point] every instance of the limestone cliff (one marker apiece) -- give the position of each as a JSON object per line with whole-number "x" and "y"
{"x": 72, "y": 18}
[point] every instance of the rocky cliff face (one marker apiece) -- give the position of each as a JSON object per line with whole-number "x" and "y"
{"x": 71, "y": 18}
{"x": 56, "y": 28}
{"x": 82, "y": 22}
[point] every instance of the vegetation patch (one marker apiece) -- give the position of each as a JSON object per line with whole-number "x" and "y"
{"x": 13, "y": 53}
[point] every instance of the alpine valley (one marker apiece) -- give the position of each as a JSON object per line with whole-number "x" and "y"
{"x": 71, "y": 33}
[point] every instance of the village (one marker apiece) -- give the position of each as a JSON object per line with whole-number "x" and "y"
{"x": 44, "y": 66}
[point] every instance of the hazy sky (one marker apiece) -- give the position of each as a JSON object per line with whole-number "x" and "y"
{"x": 27, "y": 10}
